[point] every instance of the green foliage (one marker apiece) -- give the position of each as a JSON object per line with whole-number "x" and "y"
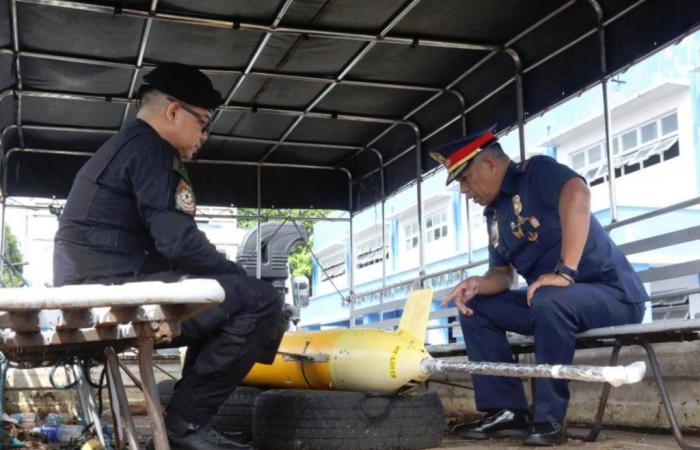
{"x": 11, "y": 276}
{"x": 300, "y": 256}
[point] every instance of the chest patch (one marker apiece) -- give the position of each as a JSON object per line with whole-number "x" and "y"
{"x": 493, "y": 234}
{"x": 184, "y": 198}
{"x": 523, "y": 226}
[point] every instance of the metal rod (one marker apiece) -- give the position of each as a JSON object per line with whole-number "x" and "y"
{"x": 612, "y": 191}
{"x": 478, "y": 64}
{"x": 499, "y": 88}
{"x": 470, "y": 244}
{"x": 18, "y": 71}
{"x": 14, "y": 150}
{"x": 666, "y": 399}
{"x": 116, "y": 384}
{"x": 256, "y": 54}
{"x": 139, "y": 58}
{"x": 150, "y": 392}
{"x": 118, "y": 428}
{"x": 520, "y": 102}
{"x": 615, "y": 375}
{"x": 131, "y": 375}
{"x": 233, "y": 72}
{"x": 654, "y": 213}
{"x": 598, "y": 422}
{"x": 222, "y": 137}
{"x": 258, "y": 244}
{"x": 313, "y": 32}
{"x": 248, "y": 109}
{"x": 343, "y": 73}
{"x": 87, "y": 398}
{"x": 419, "y": 206}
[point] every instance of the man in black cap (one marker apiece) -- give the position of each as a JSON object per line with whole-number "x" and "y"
{"x": 539, "y": 222}
{"x": 130, "y": 217}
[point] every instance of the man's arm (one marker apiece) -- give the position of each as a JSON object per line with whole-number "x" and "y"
{"x": 494, "y": 281}
{"x": 575, "y": 217}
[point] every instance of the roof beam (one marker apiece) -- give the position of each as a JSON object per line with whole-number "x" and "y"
{"x": 248, "y": 26}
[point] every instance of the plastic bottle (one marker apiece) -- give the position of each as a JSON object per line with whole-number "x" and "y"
{"x": 48, "y": 430}
{"x": 67, "y": 432}
{"x": 59, "y": 432}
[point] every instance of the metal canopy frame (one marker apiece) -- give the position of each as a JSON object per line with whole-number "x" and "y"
{"x": 310, "y": 111}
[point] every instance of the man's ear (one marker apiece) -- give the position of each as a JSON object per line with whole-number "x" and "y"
{"x": 170, "y": 111}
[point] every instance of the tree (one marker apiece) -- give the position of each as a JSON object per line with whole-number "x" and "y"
{"x": 12, "y": 261}
{"x": 300, "y": 256}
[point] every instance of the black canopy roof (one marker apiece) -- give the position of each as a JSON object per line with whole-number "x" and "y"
{"x": 326, "y": 98}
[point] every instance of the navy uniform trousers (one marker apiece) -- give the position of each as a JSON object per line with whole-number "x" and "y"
{"x": 556, "y": 315}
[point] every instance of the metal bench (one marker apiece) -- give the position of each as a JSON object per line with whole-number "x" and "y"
{"x": 74, "y": 324}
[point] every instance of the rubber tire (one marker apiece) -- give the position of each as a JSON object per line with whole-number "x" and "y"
{"x": 322, "y": 420}
{"x": 235, "y": 415}
{"x": 165, "y": 391}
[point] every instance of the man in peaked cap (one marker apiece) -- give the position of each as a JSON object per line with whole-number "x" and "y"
{"x": 539, "y": 223}
{"x": 130, "y": 217}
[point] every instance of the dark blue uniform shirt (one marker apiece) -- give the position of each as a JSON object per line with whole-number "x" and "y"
{"x": 525, "y": 231}
{"x": 130, "y": 213}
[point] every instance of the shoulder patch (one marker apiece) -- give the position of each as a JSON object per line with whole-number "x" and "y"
{"x": 184, "y": 198}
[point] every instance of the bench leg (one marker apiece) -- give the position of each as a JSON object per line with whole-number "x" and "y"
{"x": 124, "y": 423}
{"x": 87, "y": 403}
{"x": 598, "y": 423}
{"x": 666, "y": 400}
{"x": 150, "y": 390}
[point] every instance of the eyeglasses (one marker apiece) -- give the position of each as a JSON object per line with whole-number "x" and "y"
{"x": 204, "y": 122}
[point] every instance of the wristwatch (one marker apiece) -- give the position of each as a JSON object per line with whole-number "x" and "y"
{"x": 565, "y": 271}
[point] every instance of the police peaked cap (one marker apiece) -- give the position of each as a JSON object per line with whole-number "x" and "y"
{"x": 457, "y": 155}
{"x": 185, "y": 83}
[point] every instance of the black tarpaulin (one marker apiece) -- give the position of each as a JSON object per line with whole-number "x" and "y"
{"x": 320, "y": 92}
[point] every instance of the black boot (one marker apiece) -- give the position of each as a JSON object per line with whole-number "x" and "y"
{"x": 184, "y": 435}
{"x": 546, "y": 434}
{"x": 502, "y": 423}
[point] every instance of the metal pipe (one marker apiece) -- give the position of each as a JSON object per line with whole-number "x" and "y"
{"x": 419, "y": 195}
{"x": 256, "y": 54}
{"x": 18, "y": 70}
{"x": 478, "y": 64}
{"x": 607, "y": 116}
{"x": 116, "y": 384}
{"x": 222, "y": 137}
{"x": 380, "y": 158}
{"x": 655, "y": 213}
{"x": 615, "y": 375}
{"x": 520, "y": 103}
{"x": 150, "y": 391}
{"x": 313, "y": 32}
{"x": 258, "y": 243}
{"x": 470, "y": 244}
{"x": 14, "y": 150}
{"x": 498, "y": 89}
{"x": 233, "y": 72}
{"x": 139, "y": 58}
{"x": 343, "y": 73}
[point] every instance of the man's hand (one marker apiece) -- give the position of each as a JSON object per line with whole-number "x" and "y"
{"x": 462, "y": 293}
{"x": 548, "y": 279}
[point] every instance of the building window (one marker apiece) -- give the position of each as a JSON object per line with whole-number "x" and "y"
{"x": 633, "y": 150}
{"x": 436, "y": 226}
{"x": 332, "y": 267}
{"x": 370, "y": 252}
{"x": 669, "y": 124}
{"x": 410, "y": 232}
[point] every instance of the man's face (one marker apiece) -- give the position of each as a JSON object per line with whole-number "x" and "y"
{"x": 480, "y": 180}
{"x": 190, "y": 128}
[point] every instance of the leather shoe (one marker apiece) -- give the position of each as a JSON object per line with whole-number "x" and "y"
{"x": 546, "y": 434}
{"x": 502, "y": 423}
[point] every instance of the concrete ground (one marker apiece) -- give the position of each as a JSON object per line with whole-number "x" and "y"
{"x": 608, "y": 440}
